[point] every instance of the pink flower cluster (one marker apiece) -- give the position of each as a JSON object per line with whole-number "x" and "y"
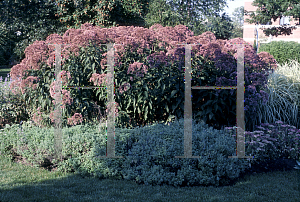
{"x": 65, "y": 100}
{"x": 76, "y": 118}
{"x": 98, "y": 79}
{"x": 136, "y": 66}
{"x": 28, "y": 82}
{"x": 124, "y": 87}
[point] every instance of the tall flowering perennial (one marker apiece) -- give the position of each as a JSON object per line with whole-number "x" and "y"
{"x": 256, "y": 67}
{"x": 65, "y": 100}
{"x": 147, "y": 61}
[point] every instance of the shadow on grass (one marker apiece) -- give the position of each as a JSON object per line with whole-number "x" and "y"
{"x": 20, "y": 182}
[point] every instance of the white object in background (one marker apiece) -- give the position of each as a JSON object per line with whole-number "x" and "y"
{"x": 284, "y": 21}
{"x": 270, "y": 38}
{"x": 18, "y": 33}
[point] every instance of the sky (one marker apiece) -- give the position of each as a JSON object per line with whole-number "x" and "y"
{"x": 232, "y": 5}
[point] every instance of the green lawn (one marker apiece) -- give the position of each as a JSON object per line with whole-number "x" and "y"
{"x": 19, "y": 182}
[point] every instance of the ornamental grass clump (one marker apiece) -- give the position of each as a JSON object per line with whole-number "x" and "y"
{"x": 149, "y": 74}
{"x": 284, "y": 91}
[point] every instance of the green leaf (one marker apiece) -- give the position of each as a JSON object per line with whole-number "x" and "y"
{"x": 223, "y": 102}
{"x": 210, "y": 116}
{"x": 173, "y": 93}
{"x": 159, "y": 82}
{"x": 146, "y": 94}
{"x": 175, "y": 106}
{"x": 98, "y": 91}
{"x": 139, "y": 97}
{"x": 40, "y": 99}
{"x": 209, "y": 102}
{"x": 150, "y": 104}
{"x": 167, "y": 108}
{"x": 199, "y": 113}
{"x": 43, "y": 104}
{"x": 128, "y": 103}
{"x": 47, "y": 85}
{"x": 147, "y": 89}
{"x": 146, "y": 112}
{"x": 139, "y": 111}
{"x": 48, "y": 103}
{"x": 208, "y": 110}
{"x": 23, "y": 97}
{"x": 133, "y": 105}
{"x": 216, "y": 107}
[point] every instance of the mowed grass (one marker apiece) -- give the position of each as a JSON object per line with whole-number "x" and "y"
{"x": 19, "y": 182}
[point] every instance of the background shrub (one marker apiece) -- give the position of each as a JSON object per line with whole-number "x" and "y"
{"x": 34, "y": 20}
{"x": 282, "y": 51}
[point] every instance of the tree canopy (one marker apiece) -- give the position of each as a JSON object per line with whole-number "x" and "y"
{"x": 160, "y": 12}
{"x": 238, "y": 14}
{"x": 194, "y": 13}
{"x": 106, "y": 13}
{"x": 37, "y": 19}
{"x": 238, "y": 22}
{"x": 33, "y": 20}
{"x": 221, "y": 26}
{"x": 274, "y": 9}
